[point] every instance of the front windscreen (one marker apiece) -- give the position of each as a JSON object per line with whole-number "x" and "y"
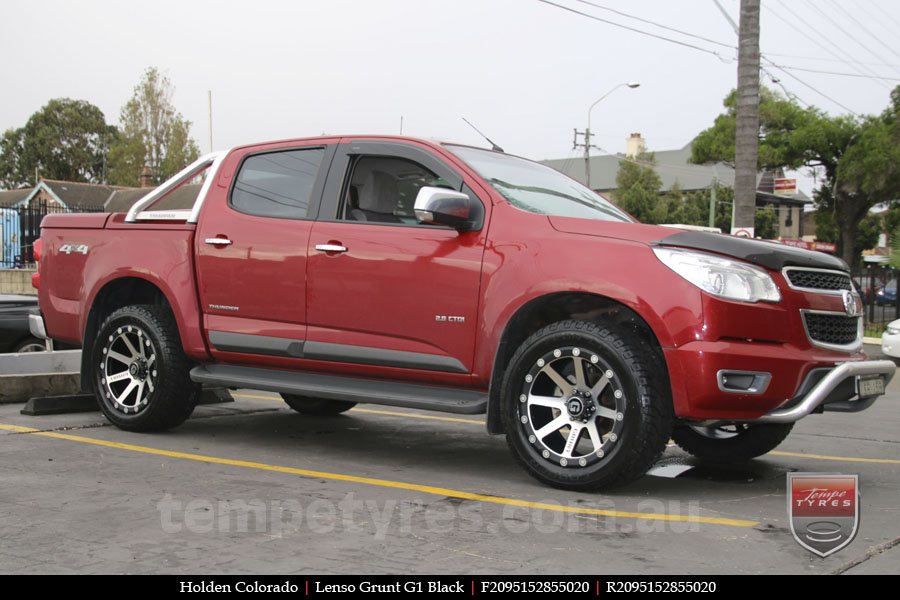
{"x": 537, "y": 188}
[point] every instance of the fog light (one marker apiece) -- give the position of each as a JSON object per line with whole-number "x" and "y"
{"x": 743, "y": 382}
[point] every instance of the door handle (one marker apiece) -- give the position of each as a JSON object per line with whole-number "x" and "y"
{"x": 217, "y": 241}
{"x": 331, "y": 248}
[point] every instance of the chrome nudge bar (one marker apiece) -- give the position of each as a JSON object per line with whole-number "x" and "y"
{"x": 821, "y": 391}
{"x": 211, "y": 161}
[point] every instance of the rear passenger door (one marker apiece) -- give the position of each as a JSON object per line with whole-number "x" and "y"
{"x": 386, "y": 292}
{"x": 251, "y": 246}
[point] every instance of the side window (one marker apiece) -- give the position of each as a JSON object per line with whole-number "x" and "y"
{"x": 277, "y": 184}
{"x": 384, "y": 189}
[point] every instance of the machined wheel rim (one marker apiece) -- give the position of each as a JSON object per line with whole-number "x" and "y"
{"x": 571, "y": 407}
{"x": 32, "y": 347}
{"x": 128, "y": 374}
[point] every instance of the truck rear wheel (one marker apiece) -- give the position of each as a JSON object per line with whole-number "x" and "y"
{"x": 317, "y": 406}
{"x": 140, "y": 373}
{"x": 586, "y": 406}
{"x": 730, "y": 443}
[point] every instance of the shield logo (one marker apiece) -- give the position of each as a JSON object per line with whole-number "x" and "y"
{"x": 823, "y": 510}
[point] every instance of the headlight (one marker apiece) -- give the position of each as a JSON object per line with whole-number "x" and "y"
{"x": 893, "y": 330}
{"x": 719, "y": 276}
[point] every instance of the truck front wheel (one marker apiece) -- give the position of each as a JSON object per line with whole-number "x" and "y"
{"x": 586, "y": 406}
{"x": 730, "y": 443}
{"x": 140, "y": 373}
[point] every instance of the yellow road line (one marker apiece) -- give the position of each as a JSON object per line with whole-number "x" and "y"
{"x": 385, "y": 483}
{"x": 372, "y": 411}
{"x": 886, "y": 461}
{"x": 392, "y": 413}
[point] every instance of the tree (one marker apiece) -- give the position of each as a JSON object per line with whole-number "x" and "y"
{"x": 637, "y": 189}
{"x": 66, "y": 139}
{"x": 859, "y": 156}
{"x": 766, "y": 222}
{"x": 153, "y": 134}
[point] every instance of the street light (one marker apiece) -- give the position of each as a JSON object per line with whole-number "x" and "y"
{"x": 587, "y": 132}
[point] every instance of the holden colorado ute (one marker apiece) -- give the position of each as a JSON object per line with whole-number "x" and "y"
{"x": 411, "y": 273}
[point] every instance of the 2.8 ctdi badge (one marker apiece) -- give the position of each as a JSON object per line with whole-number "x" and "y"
{"x": 823, "y": 510}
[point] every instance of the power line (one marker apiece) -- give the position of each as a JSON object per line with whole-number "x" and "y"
{"x": 828, "y": 42}
{"x": 886, "y": 14}
{"x": 864, "y": 28}
{"x": 840, "y": 28}
{"x": 655, "y": 24}
{"x": 825, "y": 72}
{"x": 638, "y": 31}
{"x": 834, "y": 60}
{"x": 804, "y": 84}
{"x": 783, "y": 68}
{"x": 775, "y": 80}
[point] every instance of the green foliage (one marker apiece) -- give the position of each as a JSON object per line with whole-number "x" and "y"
{"x": 891, "y": 219}
{"x": 637, "y": 189}
{"x": 895, "y": 247}
{"x": 153, "y": 134}
{"x": 867, "y": 231}
{"x": 66, "y": 139}
{"x": 766, "y": 222}
{"x": 780, "y": 122}
{"x": 860, "y": 158}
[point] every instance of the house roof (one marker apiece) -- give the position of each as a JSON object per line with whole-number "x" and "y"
{"x": 86, "y": 195}
{"x": 673, "y": 167}
{"x": 106, "y": 198}
{"x": 181, "y": 197}
{"x": 12, "y": 197}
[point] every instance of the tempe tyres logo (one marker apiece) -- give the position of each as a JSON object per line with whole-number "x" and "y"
{"x": 823, "y": 510}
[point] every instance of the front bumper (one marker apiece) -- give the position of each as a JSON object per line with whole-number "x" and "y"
{"x": 795, "y": 374}
{"x": 832, "y": 391}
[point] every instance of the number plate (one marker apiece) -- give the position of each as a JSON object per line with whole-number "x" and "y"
{"x": 870, "y": 387}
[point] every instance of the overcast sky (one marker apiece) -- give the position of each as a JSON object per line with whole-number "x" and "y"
{"x": 523, "y": 71}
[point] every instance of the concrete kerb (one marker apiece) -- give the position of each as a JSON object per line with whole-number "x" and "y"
{"x": 54, "y": 379}
{"x": 31, "y": 374}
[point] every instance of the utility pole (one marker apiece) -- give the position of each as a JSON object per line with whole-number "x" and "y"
{"x": 712, "y": 202}
{"x": 746, "y": 142}
{"x": 587, "y": 130}
{"x": 587, "y": 153}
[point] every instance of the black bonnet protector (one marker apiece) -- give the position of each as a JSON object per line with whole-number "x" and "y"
{"x": 770, "y": 255}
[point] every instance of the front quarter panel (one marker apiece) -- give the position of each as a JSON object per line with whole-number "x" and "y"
{"x": 520, "y": 268}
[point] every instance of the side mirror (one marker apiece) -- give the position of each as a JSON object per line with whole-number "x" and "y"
{"x": 442, "y": 206}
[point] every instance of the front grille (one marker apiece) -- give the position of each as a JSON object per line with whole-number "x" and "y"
{"x": 818, "y": 280}
{"x": 831, "y": 329}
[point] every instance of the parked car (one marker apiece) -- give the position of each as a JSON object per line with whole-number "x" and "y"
{"x": 867, "y": 287}
{"x": 14, "y": 333}
{"x": 888, "y": 293}
{"x": 890, "y": 340}
{"x": 412, "y": 273}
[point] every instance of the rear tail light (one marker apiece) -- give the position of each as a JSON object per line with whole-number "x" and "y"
{"x": 36, "y": 276}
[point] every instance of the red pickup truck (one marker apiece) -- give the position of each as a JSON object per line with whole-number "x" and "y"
{"x": 411, "y": 273}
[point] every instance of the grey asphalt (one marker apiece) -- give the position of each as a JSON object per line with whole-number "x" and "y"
{"x": 320, "y": 495}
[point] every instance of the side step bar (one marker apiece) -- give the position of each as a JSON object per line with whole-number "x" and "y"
{"x": 374, "y": 391}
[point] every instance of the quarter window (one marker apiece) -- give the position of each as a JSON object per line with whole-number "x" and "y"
{"x": 277, "y": 184}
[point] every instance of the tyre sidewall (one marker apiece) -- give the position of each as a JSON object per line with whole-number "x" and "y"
{"x": 620, "y": 455}
{"x": 168, "y": 377}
